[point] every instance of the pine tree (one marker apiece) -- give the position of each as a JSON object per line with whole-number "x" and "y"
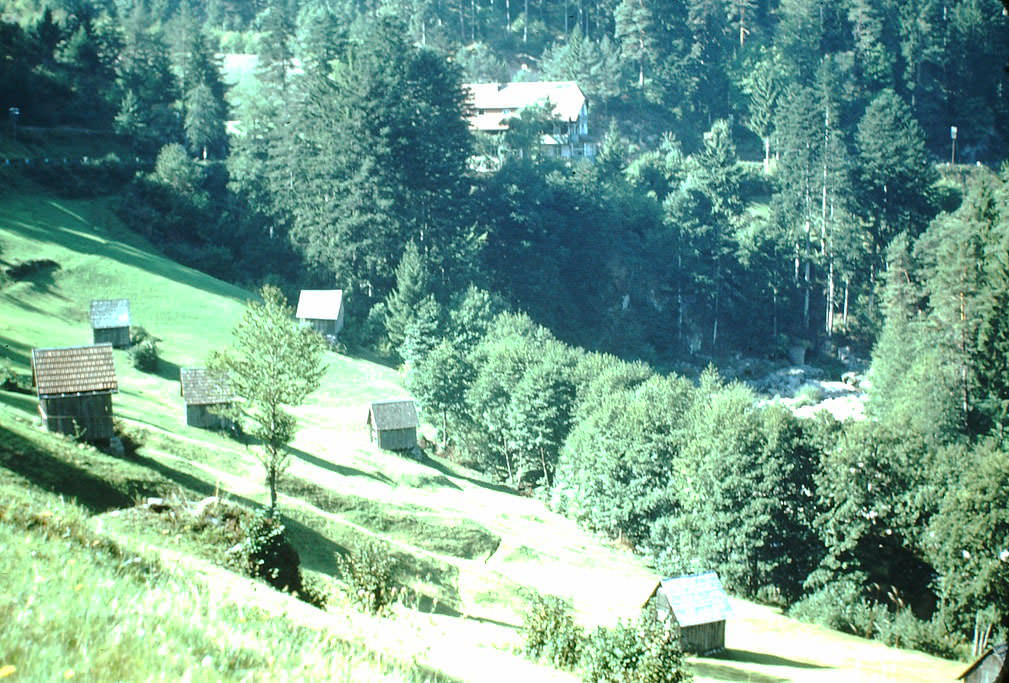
{"x": 413, "y": 285}
{"x": 992, "y": 350}
{"x": 895, "y": 173}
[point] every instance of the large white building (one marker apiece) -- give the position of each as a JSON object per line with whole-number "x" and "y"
{"x": 493, "y": 104}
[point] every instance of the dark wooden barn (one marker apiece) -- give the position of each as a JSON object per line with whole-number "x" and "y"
{"x": 110, "y": 322}
{"x": 699, "y": 605}
{"x": 322, "y": 309}
{"x": 986, "y": 669}
{"x": 205, "y": 396}
{"x": 75, "y": 387}
{"x": 393, "y": 424}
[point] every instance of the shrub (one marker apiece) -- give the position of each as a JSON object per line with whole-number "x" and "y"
{"x": 661, "y": 657}
{"x": 551, "y": 633}
{"x": 842, "y": 607}
{"x": 647, "y": 652}
{"x": 808, "y": 395}
{"x": 270, "y": 556}
{"x": 315, "y": 591}
{"x": 368, "y": 572}
{"x": 144, "y": 355}
{"x": 610, "y": 654}
{"x": 904, "y": 629}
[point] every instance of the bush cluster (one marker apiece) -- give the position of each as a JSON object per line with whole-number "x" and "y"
{"x": 270, "y": 556}
{"x": 646, "y": 651}
{"x": 144, "y": 355}
{"x": 551, "y": 632}
{"x": 842, "y": 607}
{"x": 368, "y": 571}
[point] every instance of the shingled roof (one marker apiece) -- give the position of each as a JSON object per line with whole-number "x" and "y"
{"x": 108, "y": 313}
{"x": 200, "y": 388}
{"x": 320, "y": 304}
{"x": 396, "y": 414}
{"x": 74, "y": 370}
{"x": 696, "y": 599}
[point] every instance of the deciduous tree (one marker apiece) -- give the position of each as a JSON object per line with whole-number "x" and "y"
{"x": 273, "y": 366}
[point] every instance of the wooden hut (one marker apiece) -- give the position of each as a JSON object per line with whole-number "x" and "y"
{"x": 987, "y": 667}
{"x": 393, "y": 424}
{"x": 75, "y": 387}
{"x": 322, "y": 309}
{"x": 698, "y": 604}
{"x": 110, "y": 322}
{"x": 205, "y": 395}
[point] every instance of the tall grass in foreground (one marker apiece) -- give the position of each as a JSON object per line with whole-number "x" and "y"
{"x": 73, "y": 604}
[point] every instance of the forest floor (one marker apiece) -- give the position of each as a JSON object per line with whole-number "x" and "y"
{"x": 471, "y": 552}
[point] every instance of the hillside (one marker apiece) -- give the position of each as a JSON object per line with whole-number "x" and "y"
{"x": 471, "y": 551}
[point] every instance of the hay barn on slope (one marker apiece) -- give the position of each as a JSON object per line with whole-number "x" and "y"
{"x": 75, "y": 387}
{"x": 110, "y": 322}
{"x": 204, "y": 395}
{"x": 393, "y": 424}
{"x": 322, "y": 309}
{"x": 699, "y": 605}
{"x": 987, "y": 667}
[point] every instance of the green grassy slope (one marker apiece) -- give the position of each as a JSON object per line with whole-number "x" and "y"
{"x": 470, "y": 550}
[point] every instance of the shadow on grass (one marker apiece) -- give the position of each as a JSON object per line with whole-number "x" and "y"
{"x": 342, "y": 470}
{"x": 372, "y": 357}
{"x": 317, "y": 552}
{"x": 429, "y": 605}
{"x": 52, "y": 474}
{"x": 729, "y": 673}
{"x": 17, "y": 353}
{"x": 167, "y": 370}
{"x": 428, "y": 461}
{"x": 764, "y": 659}
{"x": 15, "y": 399}
{"x": 79, "y": 239}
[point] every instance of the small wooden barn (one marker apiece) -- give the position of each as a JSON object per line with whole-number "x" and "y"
{"x": 698, "y": 604}
{"x": 987, "y": 667}
{"x": 393, "y": 424}
{"x": 110, "y": 322}
{"x": 75, "y": 387}
{"x": 322, "y": 309}
{"x": 205, "y": 395}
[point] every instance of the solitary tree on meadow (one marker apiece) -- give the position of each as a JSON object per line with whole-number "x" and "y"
{"x": 272, "y": 366}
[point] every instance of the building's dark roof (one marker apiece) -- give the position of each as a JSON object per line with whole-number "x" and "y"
{"x": 74, "y": 370}
{"x": 397, "y": 414}
{"x": 697, "y": 599}
{"x": 997, "y": 651}
{"x": 200, "y": 388}
{"x": 319, "y": 304}
{"x": 107, "y": 313}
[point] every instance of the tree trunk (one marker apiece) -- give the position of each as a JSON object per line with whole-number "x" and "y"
{"x": 525, "y": 22}
{"x": 807, "y": 285}
{"x": 829, "y": 322}
{"x": 271, "y": 477}
{"x": 845, "y": 316}
{"x": 543, "y": 462}
{"x": 767, "y": 154}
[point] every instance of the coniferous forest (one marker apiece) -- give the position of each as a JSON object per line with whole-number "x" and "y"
{"x": 770, "y": 173}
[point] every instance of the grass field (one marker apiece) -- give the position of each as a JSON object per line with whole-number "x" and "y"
{"x": 471, "y": 551}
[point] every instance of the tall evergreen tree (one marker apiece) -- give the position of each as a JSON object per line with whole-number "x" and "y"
{"x": 894, "y": 175}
